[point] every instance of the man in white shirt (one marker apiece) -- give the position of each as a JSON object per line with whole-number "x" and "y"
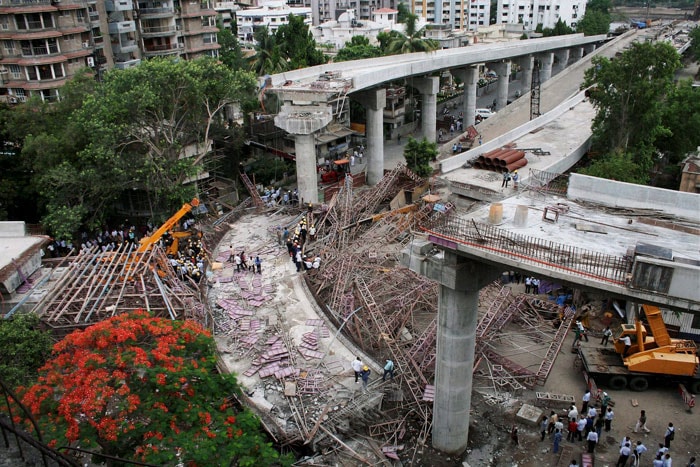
{"x": 357, "y": 368}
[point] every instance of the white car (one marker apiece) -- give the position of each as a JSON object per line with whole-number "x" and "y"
{"x": 482, "y": 114}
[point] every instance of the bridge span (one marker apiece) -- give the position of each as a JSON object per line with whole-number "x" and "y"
{"x": 312, "y": 97}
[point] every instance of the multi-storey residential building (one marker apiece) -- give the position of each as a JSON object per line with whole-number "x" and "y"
{"x": 458, "y": 14}
{"x": 531, "y": 13}
{"x": 272, "y": 15}
{"x": 45, "y": 42}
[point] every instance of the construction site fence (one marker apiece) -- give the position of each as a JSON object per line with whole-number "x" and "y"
{"x": 449, "y": 231}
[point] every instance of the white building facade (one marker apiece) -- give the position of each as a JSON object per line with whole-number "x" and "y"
{"x": 272, "y": 15}
{"x": 531, "y": 13}
{"x": 458, "y": 14}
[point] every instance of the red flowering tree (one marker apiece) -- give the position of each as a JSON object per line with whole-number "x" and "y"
{"x": 146, "y": 389}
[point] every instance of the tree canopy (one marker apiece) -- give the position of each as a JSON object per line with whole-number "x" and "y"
{"x": 594, "y": 22}
{"x": 24, "y": 348}
{"x": 358, "y": 48}
{"x": 129, "y": 132}
{"x": 559, "y": 29}
{"x": 412, "y": 40}
{"x": 145, "y": 389}
{"x": 419, "y": 154}
{"x": 630, "y": 94}
{"x": 268, "y": 58}
{"x": 695, "y": 43}
{"x": 297, "y": 45}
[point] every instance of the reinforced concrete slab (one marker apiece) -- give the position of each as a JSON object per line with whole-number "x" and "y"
{"x": 529, "y": 415}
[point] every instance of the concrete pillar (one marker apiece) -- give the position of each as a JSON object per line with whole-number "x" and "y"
{"x": 589, "y": 48}
{"x": 577, "y": 54}
{"x": 303, "y": 121}
{"x": 503, "y": 71}
{"x": 374, "y": 101}
{"x": 527, "y": 63}
{"x": 460, "y": 280}
{"x": 562, "y": 58}
{"x": 469, "y": 76}
{"x": 428, "y": 87}
{"x": 546, "y": 60}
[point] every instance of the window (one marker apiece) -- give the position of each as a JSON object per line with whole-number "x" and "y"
{"x": 49, "y": 95}
{"x": 9, "y": 47}
{"x": 19, "y": 93}
{"x": 34, "y": 21}
{"x": 80, "y": 14}
{"x": 39, "y": 47}
{"x": 15, "y": 71}
{"x": 4, "y": 22}
{"x": 209, "y": 38}
{"x": 45, "y": 72}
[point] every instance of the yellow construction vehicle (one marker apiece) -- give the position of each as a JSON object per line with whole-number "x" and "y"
{"x": 148, "y": 242}
{"x": 651, "y": 356}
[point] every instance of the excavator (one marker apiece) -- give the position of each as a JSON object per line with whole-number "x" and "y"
{"x": 147, "y": 242}
{"x": 652, "y": 356}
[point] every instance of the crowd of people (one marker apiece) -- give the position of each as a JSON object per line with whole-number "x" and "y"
{"x": 189, "y": 261}
{"x": 272, "y": 196}
{"x": 296, "y": 243}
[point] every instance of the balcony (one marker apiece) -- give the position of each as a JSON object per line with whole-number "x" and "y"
{"x": 162, "y": 49}
{"x": 163, "y": 12}
{"x": 127, "y": 64}
{"x": 24, "y": 2}
{"x": 125, "y": 46}
{"x": 154, "y": 31}
{"x": 118, "y": 5}
{"x": 122, "y": 27}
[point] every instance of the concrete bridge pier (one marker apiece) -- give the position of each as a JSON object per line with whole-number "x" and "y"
{"x": 303, "y": 121}
{"x": 576, "y": 54}
{"x": 589, "y": 48}
{"x": 546, "y": 60}
{"x": 374, "y": 102}
{"x": 503, "y": 71}
{"x": 469, "y": 76}
{"x": 460, "y": 281}
{"x": 428, "y": 87}
{"x": 562, "y": 59}
{"x": 527, "y": 63}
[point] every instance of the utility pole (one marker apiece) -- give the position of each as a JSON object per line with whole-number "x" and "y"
{"x": 535, "y": 91}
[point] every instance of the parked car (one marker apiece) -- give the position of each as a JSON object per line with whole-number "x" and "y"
{"x": 490, "y": 74}
{"x": 484, "y": 113}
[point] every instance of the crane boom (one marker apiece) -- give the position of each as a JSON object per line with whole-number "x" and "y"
{"x": 147, "y": 242}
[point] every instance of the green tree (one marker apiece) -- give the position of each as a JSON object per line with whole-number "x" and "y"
{"x": 681, "y": 115}
{"x": 146, "y": 389}
{"x": 230, "y": 53}
{"x": 419, "y": 154}
{"x": 594, "y": 22}
{"x": 620, "y": 166}
{"x": 602, "y": 6}
{"x": 358, "y": 48}
{"x": 24, "y": 348}
{"x": 412, "y": 40}
{"x": 629, "y": 94}
{"x": 404, "y": 12}
{"x": 559, "y": 29}
{"x": 153, "y": 123}
{"x": 267, "y": 59}
{"x": 385, "y": 38}
{"x": 297, "y": 45}
{"x": 695, "y": 43}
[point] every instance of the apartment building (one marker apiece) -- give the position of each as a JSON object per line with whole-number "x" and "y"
{"x": 458, "y": 14}
{"x": 45, "y": 42}
{"x": 531, "y": 13}
{"x": 271, "y": 15}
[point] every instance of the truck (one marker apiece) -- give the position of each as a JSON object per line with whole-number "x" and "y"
{"x": 652, "y": 356}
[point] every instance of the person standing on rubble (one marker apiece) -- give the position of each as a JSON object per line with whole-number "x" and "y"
{"x": 388, "y": 370}
{"x": 364, "y": 374}
{"x": 357, "y": 368}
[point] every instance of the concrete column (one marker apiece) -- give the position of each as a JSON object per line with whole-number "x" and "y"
{"x": 503, "y": 71}
{"x": 303, "y": 121}
{"x": 374, "y": 101}
{"x": 428, "y": 87}
{"x": 546, "y": 60}
{"x": 589, "y": 48}
{"x": 527, "y": 63}
{"x": 577, "y": 54}
{"x": 563, "y": 59}
{"x": 460, "y": 280}
{"x": 469, "y": 76}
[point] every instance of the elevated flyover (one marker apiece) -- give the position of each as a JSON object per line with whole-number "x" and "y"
{"x": 312, "y": 97}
